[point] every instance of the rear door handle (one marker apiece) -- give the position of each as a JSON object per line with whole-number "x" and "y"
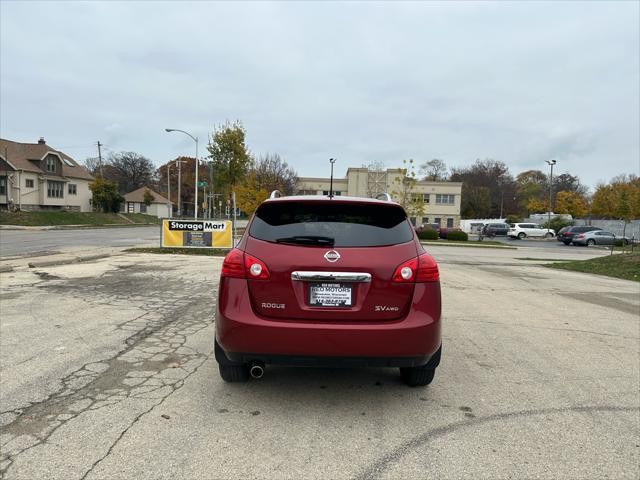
{"x": 353, "y": 277}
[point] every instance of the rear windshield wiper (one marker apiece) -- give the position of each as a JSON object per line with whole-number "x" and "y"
{"x": 308, "y": 240}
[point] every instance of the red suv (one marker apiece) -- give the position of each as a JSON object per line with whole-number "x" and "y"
{"x": 319, "y": 281}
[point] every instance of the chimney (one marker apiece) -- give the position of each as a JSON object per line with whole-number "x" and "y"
{"x": 41, "y": 141}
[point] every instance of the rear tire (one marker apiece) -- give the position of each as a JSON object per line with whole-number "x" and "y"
{"x": 234, "y": 373}
{"x": 522, "y": 235}
{"x": 548, "y": 235}
{"x": 417, "y": 376}
{"x": 230, "y": 371}
{"x": 590, "y": 242}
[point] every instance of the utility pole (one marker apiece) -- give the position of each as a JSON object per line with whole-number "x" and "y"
{"x": 100, "y": 158}
{"x": 179, "y": 191}
{"x": 170, "y": 206}
{"x": 551, "y": 163}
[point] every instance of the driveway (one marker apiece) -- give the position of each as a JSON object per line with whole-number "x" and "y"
{"x": 107, "y": 373}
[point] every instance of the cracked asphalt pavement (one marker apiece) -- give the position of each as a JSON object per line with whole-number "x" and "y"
{"x": 107, "y": 372}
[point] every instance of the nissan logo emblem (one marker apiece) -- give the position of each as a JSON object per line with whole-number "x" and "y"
{"x": 332, "y": 256}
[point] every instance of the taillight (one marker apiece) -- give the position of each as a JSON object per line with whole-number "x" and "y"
{"x": 255, "y": 268}
{"x": 233, "y": 265}
{"x": 581, "y": 235}
{"x": 427, "y": 269}
{"x": 566, "y": 234}
{"x": 421, "y": 269}
{"x": 406, "y": 272}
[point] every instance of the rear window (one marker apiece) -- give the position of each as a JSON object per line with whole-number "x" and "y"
{"x": 349, "y": 224}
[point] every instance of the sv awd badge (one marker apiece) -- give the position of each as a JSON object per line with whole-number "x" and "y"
{"x": 385, "y": 308}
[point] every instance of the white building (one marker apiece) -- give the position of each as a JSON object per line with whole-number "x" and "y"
{"x": 441, "y": 200}
{"x": 35, "y": 176}
{"x": 134, "y": 203}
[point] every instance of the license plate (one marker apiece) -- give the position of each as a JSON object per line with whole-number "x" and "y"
{"x": 330, "y": 294}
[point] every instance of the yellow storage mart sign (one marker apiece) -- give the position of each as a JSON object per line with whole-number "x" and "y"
{"x": 196, "y": 233}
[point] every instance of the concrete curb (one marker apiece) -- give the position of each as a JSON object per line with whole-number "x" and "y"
{"x": 67, "y": 261}
{"x": 5, "y": 268}
{"x": 469, "y": 245}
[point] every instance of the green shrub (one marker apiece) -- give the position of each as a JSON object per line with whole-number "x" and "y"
{"x": 428, "y": 234}
{"x": 557, "y": 223}
{"x": 618, "y": 242}
{"x": 457, "y": 236}
{"x": 513, "y": 219}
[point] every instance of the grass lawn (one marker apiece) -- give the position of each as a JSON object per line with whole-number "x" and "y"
{"x": 624, "y": 265}
{"x": 142, "y": 218}
{"x": 209, "y": 252}
{"x": 72, "y": 218}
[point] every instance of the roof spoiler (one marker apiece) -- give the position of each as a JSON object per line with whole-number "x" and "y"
{"x": 275, "y": 194}
{"x": 383, "y": 196}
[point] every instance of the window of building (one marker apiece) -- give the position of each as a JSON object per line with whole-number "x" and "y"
{"x": 73, "y": 189}
{"x": 55, "y": 189}
{"x": 425, "y": 198}
{"x": 28, "y": 183}
{"x": 437, "y": 220}
{"x": 3, "y": 185}
{"x": 143, "y": 208}
{"x": 445, "y": 199}
{"x": 51, "y": 163}
{"x": 449, "y": 222}
{"x": 335, "y": 192}
{"x": 306, "y": 192}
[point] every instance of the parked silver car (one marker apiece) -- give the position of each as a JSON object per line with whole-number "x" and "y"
{"x": 596, "y": 237}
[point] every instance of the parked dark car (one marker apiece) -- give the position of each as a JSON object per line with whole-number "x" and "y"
{"x": 561, "y": 231}
{"x": 316, "y": 281}
{"x": 567, "y": 236}
{"x": 495, "y": 229}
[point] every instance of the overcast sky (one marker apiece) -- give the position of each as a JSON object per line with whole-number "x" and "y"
{"x": 363, "y": 82}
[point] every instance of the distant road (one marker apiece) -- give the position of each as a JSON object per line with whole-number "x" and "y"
{"x": 21, "y": 242}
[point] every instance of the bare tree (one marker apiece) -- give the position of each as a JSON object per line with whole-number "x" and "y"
{"x": 273, "y": 173}
{"x": 93, "y": 165}
{"x": 435, "y": 170}
{"x": 131, "y": 170}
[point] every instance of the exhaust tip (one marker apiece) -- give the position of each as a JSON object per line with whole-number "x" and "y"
{"x": 256, "y": 371}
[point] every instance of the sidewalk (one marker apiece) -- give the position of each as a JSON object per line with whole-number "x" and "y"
{"x": 39, "y": 259}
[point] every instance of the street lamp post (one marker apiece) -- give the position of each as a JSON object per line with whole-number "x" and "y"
{"x": 195, "y": 139}
{"x": 551, "y": 163}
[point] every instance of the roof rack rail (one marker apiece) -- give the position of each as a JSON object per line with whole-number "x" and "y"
{"x": 383, "y": 196}
{"x": 275, "y": 194}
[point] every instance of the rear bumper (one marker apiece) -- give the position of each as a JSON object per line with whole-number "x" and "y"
{"x": 223, "y": 357}
{"x": 410, "y": 341}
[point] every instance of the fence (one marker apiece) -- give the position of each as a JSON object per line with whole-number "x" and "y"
{"x": 614, "y": 226}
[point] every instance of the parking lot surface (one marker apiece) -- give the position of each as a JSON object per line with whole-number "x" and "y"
{"x": 107, "y": 372}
